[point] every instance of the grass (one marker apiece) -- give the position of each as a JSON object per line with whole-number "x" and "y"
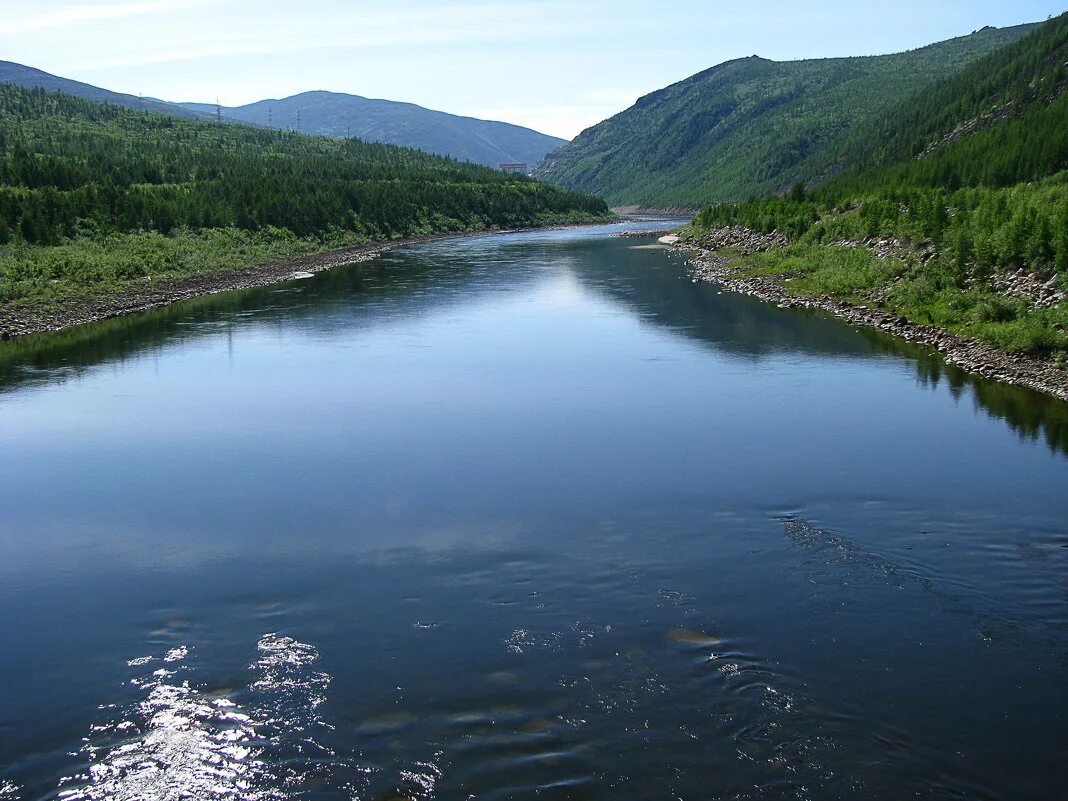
{"x": 106, "y": 265}
{"x": 928, "y": 293}
{"x": 98, "y": 266}
{"x": 848, "y": 273}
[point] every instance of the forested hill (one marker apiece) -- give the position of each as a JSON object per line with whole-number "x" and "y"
{"x": 962, "y": 188}
{"x": 750, "y": 126}
{"x": 999, "y": 121}
{"x": 332, "y": 114}
{"x": 31, "y": 78}
{"x": 73, "y": 172}
{"x": 343, "y": 115}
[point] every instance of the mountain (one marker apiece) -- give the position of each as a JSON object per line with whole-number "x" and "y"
{"x": 332, "y": 114}
{"x": 750, "y": 126}
{"x": 31, "y": 78}
{"x": 343, "y": 115}
{"x": 999, "y": 121}
{"x": 951, "y": 208}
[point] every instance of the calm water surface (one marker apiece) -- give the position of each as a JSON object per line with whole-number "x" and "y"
{"x": 519, "y": 516}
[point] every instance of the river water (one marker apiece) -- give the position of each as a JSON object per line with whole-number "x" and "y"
{"x": 524, "y": 516}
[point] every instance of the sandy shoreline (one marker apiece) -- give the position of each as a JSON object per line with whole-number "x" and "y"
{"x": 969, "y": 354}
{"x": 22, "y": 321}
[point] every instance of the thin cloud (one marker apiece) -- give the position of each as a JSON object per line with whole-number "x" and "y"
{"x": 288, "y": 32}
{"x": 360, "y": 41}
{"x": 71, "y": 14}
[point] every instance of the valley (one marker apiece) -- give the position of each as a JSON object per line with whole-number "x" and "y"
{"x": 712, "y": 447}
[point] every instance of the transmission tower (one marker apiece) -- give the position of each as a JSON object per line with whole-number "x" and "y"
{"x": 218, "y": 111}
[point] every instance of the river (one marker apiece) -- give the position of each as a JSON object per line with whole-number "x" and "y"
{"x": 517, "y": 516}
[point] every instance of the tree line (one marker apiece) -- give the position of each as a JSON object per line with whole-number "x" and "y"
{"x": 990, "y": 192}
{"x": 72, "y": 168}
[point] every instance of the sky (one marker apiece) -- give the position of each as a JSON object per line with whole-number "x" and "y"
{"x": 558, "y": 66}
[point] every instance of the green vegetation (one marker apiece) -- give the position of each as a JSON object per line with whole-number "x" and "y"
{"x": 107, "y": 263}
{"x": 931, "y": 294}
{"x": 92, "y": 195}
{"x": 332, "y": 114}
{"x": 31, "y": 78}
{"x": 1011, "y": 83}
{"x": 751, "y": 126}
{"x": 970, "y": 178}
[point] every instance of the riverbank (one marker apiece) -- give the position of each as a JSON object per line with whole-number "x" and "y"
{"x": 641, "y": 211}
{"x": 727, "y": 267}
{"x": 17, "y": 320}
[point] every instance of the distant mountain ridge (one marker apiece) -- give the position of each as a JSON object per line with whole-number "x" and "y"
{"x": 333, "y": 114}
{"x": 31, "y": 78}
{"x": 750, "y": 126}
{"x": 391, "y": 122}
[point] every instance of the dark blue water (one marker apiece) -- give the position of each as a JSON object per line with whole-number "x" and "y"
{"x": 524, "y": 516}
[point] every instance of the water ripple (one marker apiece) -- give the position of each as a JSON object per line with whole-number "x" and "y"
{"x": 837, "y": 558}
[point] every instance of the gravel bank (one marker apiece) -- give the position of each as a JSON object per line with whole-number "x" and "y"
{"x": 971, "y": 355}
{"x": 16, "y": 321}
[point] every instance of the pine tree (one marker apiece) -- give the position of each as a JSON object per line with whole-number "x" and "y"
{"x": 1040, "y": 248}
{"x": 1061, "y": 241}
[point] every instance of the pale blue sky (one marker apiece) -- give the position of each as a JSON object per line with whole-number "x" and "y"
{"x": 555, "y": 66}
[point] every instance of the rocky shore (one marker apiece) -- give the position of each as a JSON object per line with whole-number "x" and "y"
{"x": 646, "y": 234}
{"x": 642, "y": 211}
{"x": 17, "y": 321}
{"x": 969, "y": 354}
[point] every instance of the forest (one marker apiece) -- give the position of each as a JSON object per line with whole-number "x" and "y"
{"x": 85, "y": 187}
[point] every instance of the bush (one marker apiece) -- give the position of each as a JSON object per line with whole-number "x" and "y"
{"x": 995, "y": 309}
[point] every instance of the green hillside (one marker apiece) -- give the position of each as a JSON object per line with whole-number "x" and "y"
{"x": 31, "y": 78}
{"x": 997, "y": 122}
{"x": 343, "y": 115}
{"x": 92, "y": 195}
{"x": 332, "y": 114}
{"x": 970, "y": 179}
{"x": 750, "y": 126}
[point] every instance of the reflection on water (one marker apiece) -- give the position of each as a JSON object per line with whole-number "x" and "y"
{"x": 393, "y": 285}
{"x": 517, "y": 517}
{"x": 1032, "y": 415}
{"x": 180, "y": 742}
